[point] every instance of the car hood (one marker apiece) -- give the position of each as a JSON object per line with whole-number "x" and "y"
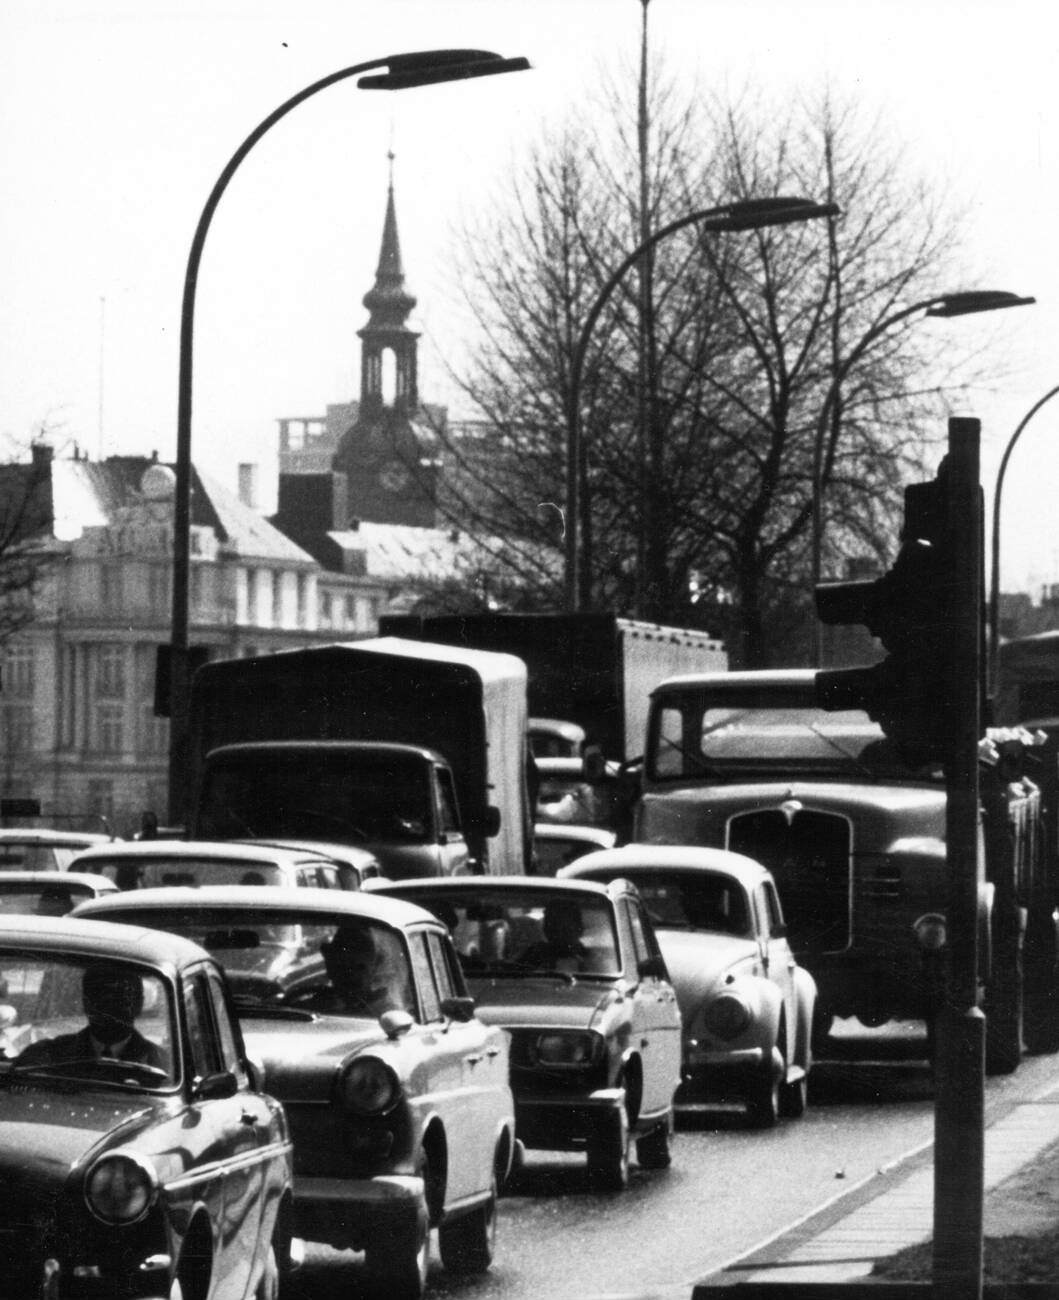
{"x": 699, "y": 963}
{"x": 545, "y": 1000}
{"x": 300, "y": 1057}
{"x": 45, "y": 1134}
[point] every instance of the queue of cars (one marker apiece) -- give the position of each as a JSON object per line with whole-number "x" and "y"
{"x": 409, "y": 1040}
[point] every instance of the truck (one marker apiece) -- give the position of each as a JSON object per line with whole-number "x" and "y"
{"x": 855, "y": 838}
{"x": 594, "y": 670}
{"x": 414, "y": 750}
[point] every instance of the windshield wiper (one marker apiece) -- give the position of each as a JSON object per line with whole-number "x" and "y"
{"x": 848, "y": 754}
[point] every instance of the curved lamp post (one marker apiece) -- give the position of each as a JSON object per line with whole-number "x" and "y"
{"x": 994, "y": 581}
{"x": 749, "y": 214}
{"x": 402, "y": 71}
{"x": 967, "y": 303}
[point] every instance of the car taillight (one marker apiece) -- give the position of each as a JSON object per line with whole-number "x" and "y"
{"x": 368, "y": 1086}
{"x": 120, "y": 1188}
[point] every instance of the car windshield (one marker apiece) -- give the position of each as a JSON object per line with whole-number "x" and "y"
{"x": 348, "y": 799}
{"x": 138, "y": 872}
{"x": 684, "y": 900}
{"x": 30, "y": 855}
{"x": 278, "y": 961}
{"x": 733, "y": 734}
{"x": 523, "y": 932}
{"x": 93, "y": 1020}
{"x": 41, "y": 898}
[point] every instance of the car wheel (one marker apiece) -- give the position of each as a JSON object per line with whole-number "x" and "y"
{"x": 608, "y": 1156}
{"x": 268, "y": 1286}
{"x": 763, "y": 1094}
{"x": 467, "y": 1244}
{"x": 652, "y": 1150}
{"x": 397, "y": 1262}
{"x": 794, "y": 1097}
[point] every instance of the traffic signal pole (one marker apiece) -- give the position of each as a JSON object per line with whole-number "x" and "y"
{"x": 959, "y": 1106}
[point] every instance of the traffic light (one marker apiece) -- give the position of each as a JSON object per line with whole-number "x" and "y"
{"x": 910, "y": 610}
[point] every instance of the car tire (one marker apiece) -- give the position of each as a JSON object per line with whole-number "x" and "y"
{"x": 608, "y": 1156}
{"x": 468, "y": 1243}
{"x": 794, "y": 1097}
{"x": 763, "y": 1094}
{"x": 268, "y": 1285}
{"x": 397, "y": 1262}
{"x": 652, "y": 1150}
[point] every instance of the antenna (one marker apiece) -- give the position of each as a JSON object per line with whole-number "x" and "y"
{"x": 99, "y": 413}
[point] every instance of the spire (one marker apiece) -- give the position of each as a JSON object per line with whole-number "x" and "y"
{"x": 388, "y": 301}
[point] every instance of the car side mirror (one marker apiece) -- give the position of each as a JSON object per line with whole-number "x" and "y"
{"x": 652, "y": 968}
{"x": 458, "y": 1008}
{"x": 395, "y": 1023}
{"x": 217, "y": 1086}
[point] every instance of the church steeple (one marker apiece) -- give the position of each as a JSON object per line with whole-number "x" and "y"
{"x": 389, "y": 304}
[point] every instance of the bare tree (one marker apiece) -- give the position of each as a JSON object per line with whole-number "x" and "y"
{"x": 750, "y": 333}
{"x": 27, "y": 548}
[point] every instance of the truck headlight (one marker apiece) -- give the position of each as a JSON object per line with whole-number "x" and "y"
{"x": 368, "y": 1086}
{"x": 930, "y": 932}
{"x": 571, "y": 1050}
{"x": 727, "y": 1016}
{"x": 120, "y": 1188}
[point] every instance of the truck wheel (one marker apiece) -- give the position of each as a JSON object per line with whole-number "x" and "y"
{"x": 608, "y": 1157}
{"x": 652, "y": 1150}
{"x": 467, "y": 1244}
{"x": 1003, "y": 1004}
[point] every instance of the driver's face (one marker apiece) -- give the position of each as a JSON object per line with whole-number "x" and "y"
{"x": 111, "y": 1010}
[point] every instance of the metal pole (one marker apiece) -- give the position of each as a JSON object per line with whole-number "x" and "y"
{"x": 994, "y": 538}
{"x": 959, "y": 1108}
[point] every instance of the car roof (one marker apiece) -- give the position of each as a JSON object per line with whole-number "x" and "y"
{"x": 24, "y": 835}
{"x": 222, "y": 850}
{"x": 57, "y": 878}
{"x": 770, "y": 677}
{"x": 510, "y": 884}
{"x": 309, "y": 902}
{"x": 548, "y": 765}
{"x": 574, "y": 831}
{"x": 668, "y": 858}
{"x": 68, "y": 934}
{"x": 330, "y": 850}
{"x": 282, "y": 747}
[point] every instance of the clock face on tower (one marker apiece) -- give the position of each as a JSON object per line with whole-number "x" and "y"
{"x": 393, "y": 476}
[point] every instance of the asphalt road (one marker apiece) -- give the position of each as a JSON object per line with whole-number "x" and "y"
{"x": 727, "y": 1190}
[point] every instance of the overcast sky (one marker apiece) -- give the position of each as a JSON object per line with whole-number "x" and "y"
{"x": 118, "y": 116}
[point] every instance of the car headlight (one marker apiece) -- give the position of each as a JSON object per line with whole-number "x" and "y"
{"x": 727, "y": 1016}
{"x": 930, "y": 932}
{"x": 120, "y": 1188}
{"x": 368, "y": 1086}
{"x": 570, "y": 1050}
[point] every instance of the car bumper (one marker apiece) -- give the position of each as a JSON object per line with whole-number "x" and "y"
{"x": 348, "y": 1212}
{"x": 88, "y": 1282}
{"x": 717, "y": 1073}
{"x": 551, "y": 1123}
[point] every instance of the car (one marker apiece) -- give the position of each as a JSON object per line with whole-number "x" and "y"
{"x": 354, "y": 865}
{"x": 157, "y": 1167}
{"x": 573, "y": 970}
{"x": 555, "y": 738}
{"x": 556, "y": 845}
{"x": 747, "y": 1006}
{"x": 397, "y": 1093}
{"x": 583, "y": 791}
{"x": 49, "y": 893}
{"x": 45, "y": 849}
{"x": 147, "y": 864}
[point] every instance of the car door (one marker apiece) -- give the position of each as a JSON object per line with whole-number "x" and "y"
{"x": 779, "y": 959}
{"x": 657, "y": 1023}
{"x": 226, "y": 1143}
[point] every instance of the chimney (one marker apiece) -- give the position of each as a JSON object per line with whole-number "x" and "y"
{"x": 248, "y": 485}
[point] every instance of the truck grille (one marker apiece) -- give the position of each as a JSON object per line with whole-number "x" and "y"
{"x": 809, "y": 853}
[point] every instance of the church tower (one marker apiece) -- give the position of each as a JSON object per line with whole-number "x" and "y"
{"x": 390, "y": 478}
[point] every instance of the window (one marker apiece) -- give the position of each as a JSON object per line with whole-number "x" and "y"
{"x": 205, "y": 1057}
{"x": 112, "y": 586}
{"x": 429, "y": 1001}
{"x": 231, "y": 1055}
{"x": 450, "y": 817}
{"x": 110, "y": 728}
{"x": 277, "y": 599}
{"x": 18, "y": 671}
{"x": 18, "y": 728}
{"x": 450, "y": 981}
{"x": 110, "y": 672}
{"x": 158, "y": 593}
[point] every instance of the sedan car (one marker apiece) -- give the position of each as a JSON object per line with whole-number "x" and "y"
{"x": 148, "y": 864}
{"x": 747, "y": 1006}
{"x": 556, "y": 845}
{"x": 138, "y": 1156}
{"x": 45, "y": 849}
{"x": 574, "y": 971}
{"x": 397, "y": 1094}
{"x": 49, "y": 893}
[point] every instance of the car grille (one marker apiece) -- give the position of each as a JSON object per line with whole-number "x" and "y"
{"x": 809, "y": 853}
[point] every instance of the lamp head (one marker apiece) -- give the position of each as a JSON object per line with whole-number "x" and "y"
{"x": 755, "y": 214}
{"x": 972, "y": 301}
{"x": 430, "y": 67}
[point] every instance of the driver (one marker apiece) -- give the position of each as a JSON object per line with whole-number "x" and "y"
{"x": 359, "y": 982}
{"x": 112, "y": 998}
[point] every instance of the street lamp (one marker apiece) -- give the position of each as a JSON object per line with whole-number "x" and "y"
{"x": 402, "y": 71}
{"x": 747, "y": 214}
{"x": 965, "y": 303}
{"x": 994, "y": 581}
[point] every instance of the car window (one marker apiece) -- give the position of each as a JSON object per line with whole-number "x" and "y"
{"x": 446, "y": 969}
{"x": 231, "y": 1054}
{"x": 429, "y": 998}
{"x": 771, "y": 907}
{"x": 640, "y": 945}
{"x": 50, "y": 899}
{"x": 450, "y": 817}
{"x": 692, "y": 900}
{"x": 152, "y": 872}
{"x": 205, "y": 1050}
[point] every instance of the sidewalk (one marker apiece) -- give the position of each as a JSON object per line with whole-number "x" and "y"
{"x": 834, "y": 1250}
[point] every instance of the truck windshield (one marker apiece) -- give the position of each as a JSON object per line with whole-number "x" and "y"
{"x": 706, "y": 735}
{"x": 348, "y": 798}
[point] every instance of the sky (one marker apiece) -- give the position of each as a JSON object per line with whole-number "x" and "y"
{"x": 117, "y": 117}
